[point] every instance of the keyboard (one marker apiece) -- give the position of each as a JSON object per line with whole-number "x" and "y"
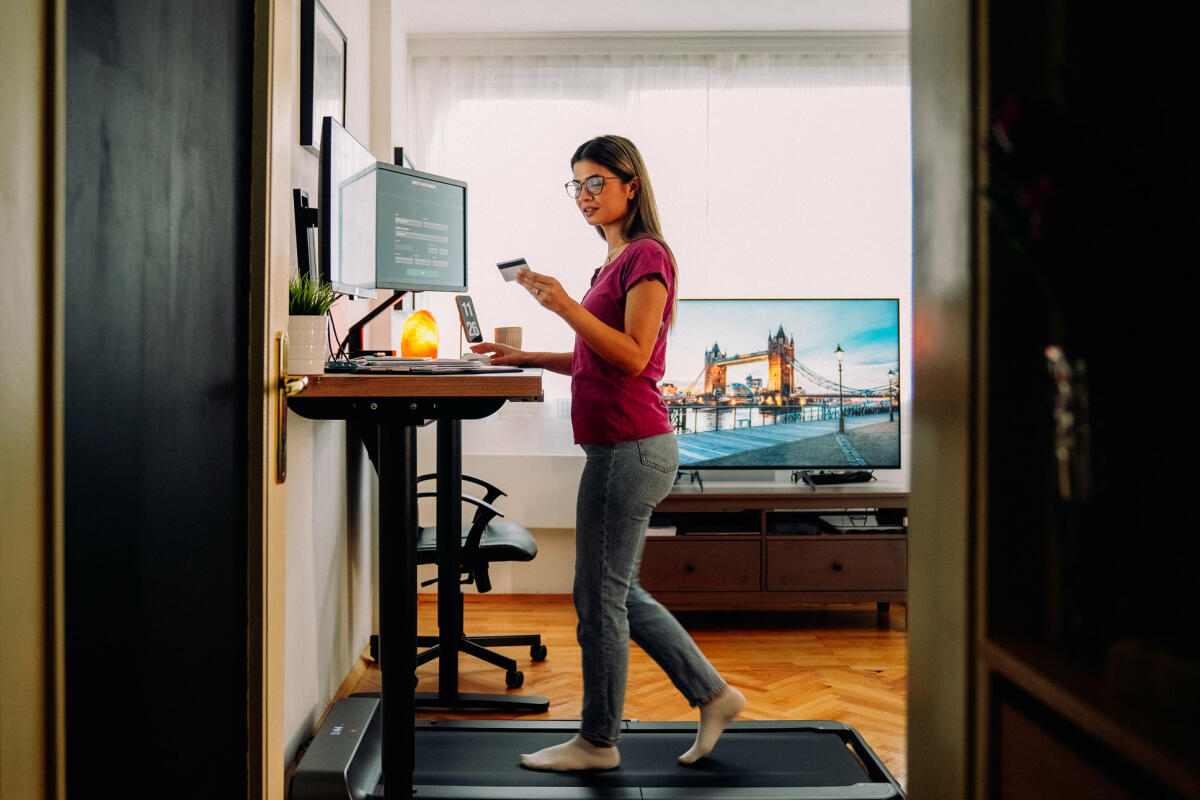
{"x": 405, "y": 361}
{"x": 417, "y": 366}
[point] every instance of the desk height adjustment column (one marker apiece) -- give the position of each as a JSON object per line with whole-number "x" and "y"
{"x": 449, "y": 522}
{"x": 398, "y": 529}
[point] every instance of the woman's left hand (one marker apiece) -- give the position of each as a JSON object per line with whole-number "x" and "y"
{"x": 546, "y": 290}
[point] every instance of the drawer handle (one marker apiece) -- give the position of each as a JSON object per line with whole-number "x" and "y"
{"x": 689, "y": 566}
{"x": 837, "y": 567}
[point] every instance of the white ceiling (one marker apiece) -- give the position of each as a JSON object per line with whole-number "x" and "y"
{"x": 575, "y": 16}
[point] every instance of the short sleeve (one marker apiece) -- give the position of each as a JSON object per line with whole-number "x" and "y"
{"x": 649, "y": 260}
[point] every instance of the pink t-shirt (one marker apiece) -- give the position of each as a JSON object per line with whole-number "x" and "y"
{"x": 608, "y": 406}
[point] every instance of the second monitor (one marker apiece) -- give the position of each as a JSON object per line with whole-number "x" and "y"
{"x": 421, "y": 231}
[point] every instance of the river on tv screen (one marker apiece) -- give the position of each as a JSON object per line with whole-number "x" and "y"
{"x": 759, "y": 383}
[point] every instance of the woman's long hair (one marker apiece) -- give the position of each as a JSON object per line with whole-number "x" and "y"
{"x": 641, "y": 222}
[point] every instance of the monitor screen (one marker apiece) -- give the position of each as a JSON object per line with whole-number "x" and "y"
{"x": 758, "y": 384}
{"x": 422, "y": 226}
{"x": 346, "y": 212}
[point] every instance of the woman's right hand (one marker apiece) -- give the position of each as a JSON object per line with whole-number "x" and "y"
{"x": 502, "y": 354}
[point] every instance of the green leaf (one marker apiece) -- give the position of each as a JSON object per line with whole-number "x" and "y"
{"x": 307, "y": 296}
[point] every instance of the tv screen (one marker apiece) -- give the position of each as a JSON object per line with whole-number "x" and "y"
{"x": 422, "y": 225}
{"x": 758, "y": 384}
{"x": 346, "y": 212}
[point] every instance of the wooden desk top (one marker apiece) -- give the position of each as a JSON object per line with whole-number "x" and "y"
{"x": 523, "y": 385}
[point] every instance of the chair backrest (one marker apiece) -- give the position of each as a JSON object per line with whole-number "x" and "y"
{"x": 472, "y": 562}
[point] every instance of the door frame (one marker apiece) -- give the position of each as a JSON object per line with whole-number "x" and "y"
{"x": 270, "y": 254}
{"x": 32, "y": 158}
{"x": 944, "y": 553}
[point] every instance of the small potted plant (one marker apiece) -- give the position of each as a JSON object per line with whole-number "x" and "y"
{"x": 309, "y": 301}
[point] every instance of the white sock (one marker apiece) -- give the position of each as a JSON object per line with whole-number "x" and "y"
{"x": 575, "y": 754}
{"x": 714, "y": 716}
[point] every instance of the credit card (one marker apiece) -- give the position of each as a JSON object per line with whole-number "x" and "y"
{"x": 509, "y": 269}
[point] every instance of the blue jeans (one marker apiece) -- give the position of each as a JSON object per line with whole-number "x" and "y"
{"x": 620, "y": 486}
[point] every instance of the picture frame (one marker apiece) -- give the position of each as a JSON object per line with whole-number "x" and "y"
{"x": 322, "y": 72}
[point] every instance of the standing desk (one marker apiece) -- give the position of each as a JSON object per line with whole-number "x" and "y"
{"x": 396, "y": 405}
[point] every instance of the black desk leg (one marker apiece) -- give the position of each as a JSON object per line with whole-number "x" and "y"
{"x": 397, "y": 468}
{"x": 449, "y": 519}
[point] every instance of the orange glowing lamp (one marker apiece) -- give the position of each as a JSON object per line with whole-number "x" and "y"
{"x": 419, "y": 337}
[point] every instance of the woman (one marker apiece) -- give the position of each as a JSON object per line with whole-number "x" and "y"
{"x": 620, "y": 420}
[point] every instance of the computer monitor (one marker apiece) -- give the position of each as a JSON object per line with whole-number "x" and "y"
{"x": 346, "y": 212}
{"x": 421, "y": 223}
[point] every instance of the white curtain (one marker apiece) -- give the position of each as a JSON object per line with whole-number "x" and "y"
{"x": 777, "y": 174}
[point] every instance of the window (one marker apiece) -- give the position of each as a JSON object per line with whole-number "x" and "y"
{"x": 781, "y": 168}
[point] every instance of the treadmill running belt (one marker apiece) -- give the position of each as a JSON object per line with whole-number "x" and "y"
{"x": 743, "y": 757}
{"x": 480, "y": 760}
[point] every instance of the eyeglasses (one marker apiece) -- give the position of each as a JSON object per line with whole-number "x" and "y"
{"x": 594, "y": 185}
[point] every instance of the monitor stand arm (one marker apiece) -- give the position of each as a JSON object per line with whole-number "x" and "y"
{"x": 352, "y": 345}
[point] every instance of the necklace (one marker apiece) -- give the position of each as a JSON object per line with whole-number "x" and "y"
{"x": 614, "y": 253}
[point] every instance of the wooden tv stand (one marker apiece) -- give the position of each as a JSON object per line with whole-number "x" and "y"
{"x": 765, "y": 546}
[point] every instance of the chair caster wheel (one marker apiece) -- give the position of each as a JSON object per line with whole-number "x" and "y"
{"x": 514, "y": 678}
{"x": 537, "y": 652}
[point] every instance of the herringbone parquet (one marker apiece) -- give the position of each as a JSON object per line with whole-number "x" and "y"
{"x": 844, "y": 663}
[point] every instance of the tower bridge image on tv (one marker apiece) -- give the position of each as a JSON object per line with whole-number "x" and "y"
{"x": 794, "y": 416}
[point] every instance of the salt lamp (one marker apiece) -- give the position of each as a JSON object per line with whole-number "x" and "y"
{"x": 419, "y": 337}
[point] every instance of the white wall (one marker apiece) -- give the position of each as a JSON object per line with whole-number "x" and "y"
{"x": 531, "y": 458}
{"x": 331, "y": 486}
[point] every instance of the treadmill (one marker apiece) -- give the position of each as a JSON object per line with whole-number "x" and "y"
{"x": 479, "y": 760}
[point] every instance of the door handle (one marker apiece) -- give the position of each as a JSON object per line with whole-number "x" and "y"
{"x": 293, "y": 386}
{"x": 288, "y": 386}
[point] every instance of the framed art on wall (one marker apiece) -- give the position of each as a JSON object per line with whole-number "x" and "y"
{"x": 322, "y": 71}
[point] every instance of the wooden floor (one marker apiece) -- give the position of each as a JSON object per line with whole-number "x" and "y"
{"x": 844, "y": 663}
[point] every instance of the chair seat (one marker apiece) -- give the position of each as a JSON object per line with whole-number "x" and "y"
{"x": 501, "y": 541}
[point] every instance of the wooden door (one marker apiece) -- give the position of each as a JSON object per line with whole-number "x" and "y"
{"x": 1087, "y": 644}
{"x": 163, "y": 503}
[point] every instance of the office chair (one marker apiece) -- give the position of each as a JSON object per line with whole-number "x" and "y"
{"x": 485, "y": 539}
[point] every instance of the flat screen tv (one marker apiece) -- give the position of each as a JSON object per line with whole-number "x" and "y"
{"x": 346, "y": 212}
{"x": 802, "y": 384}
{"x": 421, "y": 220}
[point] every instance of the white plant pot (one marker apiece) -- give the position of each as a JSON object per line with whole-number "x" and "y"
{"x": 308, "y": 346}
